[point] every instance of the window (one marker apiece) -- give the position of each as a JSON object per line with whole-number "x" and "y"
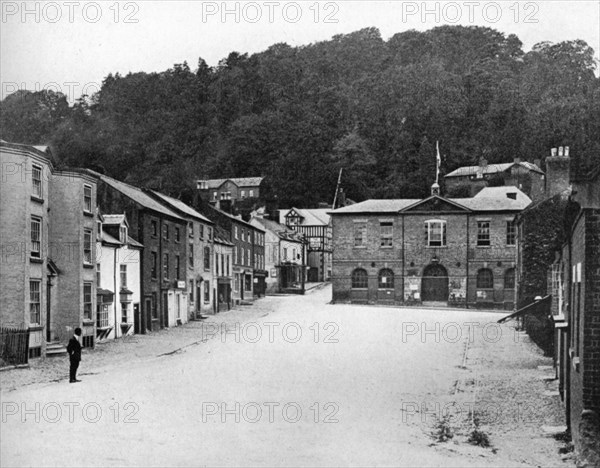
{"x": 235, "y": 255}
{"x": 511, "y": 233}
{"x": 387, "y": 232}
{"x": 485, "y": 279}
{"x": 359, "y": 279}
{"x": 98, "y": 274}
{"x": 243, "y": 235}
{"x": 236, "y": 282}
{"x": 201, "y": 234}
{"x": 35, "y": 301}
{"x": 191, "y": 230}
{"x": 177, "y": 234}
{"x": 166, "y": 266}
{"x": 251, "y": 193}
{"x": 248, "y": 257}
{"x": 435, "y": 233}
{"x": 154, "y": 305}
{"x": 177, "y": 267}
{"x": 210, "y": 233}
{"x": 206, "y": 291}
{"x": 87, "y": 246}
{"x": 243, "y": 194}
{"x": 102, "y": 316}
{"x": 483, "y": 233}
{"x": 248, "y": 282}
{"x": 227, "y": 259}
{"x": 36, "y": 237}
{"x": 124, "y": 312}
{"x": 235, "y": 232}
{"x": 191, "y": 290}
{"x": 165, "y": 232}
{"x": 191, "y": 254}
{"x": 123, "y": 234}
{"x": 98, "y": 229}
{"x": 360, "y": 234}
{"x": 123, "y": 269}
{"x": 153, "y": 265}
{"x": 386, "y": 279}
{"x": 509, "y": 279}
{"x": 154, "y": 228}
{"x": 87, "y": 198}
{"x": 207, "y": 258}
{"x": 285, "y": 255}
{"x": 214, "y": 195}
{"x": 87, "y": 301}
{"x": 36, "y": 179}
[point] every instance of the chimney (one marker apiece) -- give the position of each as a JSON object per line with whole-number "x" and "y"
{"x": 557, "y": 171}
{"x": 538, "y": 163}
{"x": 481, "y": 168}
{"x": 517, "y": 160}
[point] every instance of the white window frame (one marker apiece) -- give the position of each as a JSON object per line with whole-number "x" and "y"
{"x": 432, "y": 226}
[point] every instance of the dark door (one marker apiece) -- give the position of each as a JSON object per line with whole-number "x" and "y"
{"x": 198, "y": 300}
{"x": 139, "y": 324}
{"x": 434, "y": 286}
{"x": 136, "y": 318}
{"x": 48, "y": 313}
{"x": 165, "y": 315}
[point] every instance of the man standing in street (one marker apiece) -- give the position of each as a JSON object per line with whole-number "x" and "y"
{"x": 74, "y": 350}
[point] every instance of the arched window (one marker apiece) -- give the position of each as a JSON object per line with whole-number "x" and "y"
{"x": 509, "y": 279}
{"x": 359, "y": 279}
{"x": 485, "y": 279}
{"x": 386, "y": 279}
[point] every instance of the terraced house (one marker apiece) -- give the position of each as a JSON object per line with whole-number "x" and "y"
{"x": 455, "y": 251}
{"x": 48, "y": 235}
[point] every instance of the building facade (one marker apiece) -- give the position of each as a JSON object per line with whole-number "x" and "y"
{"x": 118, "y": 276}
{"x": 314, "y": 225}
{"x": 163, "y": 233}
{"x": 285, "y": 257}
{"x": 223, "y": 270}
{"x": 48, "y": 231}
{"x": 229, "y": 190}
{"x": 575, "y": 288}
{"x": 202, "y": 286}
{"x": 459, "y": 252}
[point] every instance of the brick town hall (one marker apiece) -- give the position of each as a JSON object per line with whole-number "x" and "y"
{"x": 454, "y": 251}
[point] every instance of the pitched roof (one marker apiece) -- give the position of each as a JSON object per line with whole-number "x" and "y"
{"x": 136, "y": 194}
{"x": 239, "y": 181}
{"x": 178, "y": 204}
{"x": 488, "y": 199}
{"x": 131, "y": 242}
{"x": 312, "y": 216}
{"x": 281, "y": 230}
{"x": 377, "y": 206}
{"x": 496, "y": 199}
{"x": 234, "y": 218}
{"x": 113, "y": 218}
{"x": 106, "y": 237}
{"x": 491, "y": 169}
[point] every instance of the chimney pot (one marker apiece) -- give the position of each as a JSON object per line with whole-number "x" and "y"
{"x": 553, "y": 152}
{"x": 560, "y": 150}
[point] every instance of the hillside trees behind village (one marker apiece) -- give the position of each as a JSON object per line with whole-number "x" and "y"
{"x": 297, "y": 115}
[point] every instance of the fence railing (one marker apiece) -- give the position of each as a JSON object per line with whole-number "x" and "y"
{"x": 14, "y": 346}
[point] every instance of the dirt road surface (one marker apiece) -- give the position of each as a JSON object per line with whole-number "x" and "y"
{"x": 293, "y": 381}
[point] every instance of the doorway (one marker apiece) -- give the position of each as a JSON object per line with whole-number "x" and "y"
{"x": 434, "y": 285}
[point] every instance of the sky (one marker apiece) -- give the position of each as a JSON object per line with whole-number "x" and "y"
{"x": 71, "y": 46}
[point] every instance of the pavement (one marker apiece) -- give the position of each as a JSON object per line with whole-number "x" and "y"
{"x": 294, "y": 381}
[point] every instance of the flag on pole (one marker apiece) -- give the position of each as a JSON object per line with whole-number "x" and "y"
{"x": 438, "y": 162}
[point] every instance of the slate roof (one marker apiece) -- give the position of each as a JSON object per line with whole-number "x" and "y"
{"x": 178, "y": 204}
{"x": 106, "y": 237}
{"x": 492, "y": 169}
{"x": 488, "y": 199}
{"x": 239, "y": 181}
{"x": 312, "y": 216}
{"x": 282, "y": 231}
{"x": 136, "y": 194}
{"x": 113, "y": 218}
{"x": 131, "y": 242}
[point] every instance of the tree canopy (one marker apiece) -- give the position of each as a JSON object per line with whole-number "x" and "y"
{"x": 297, "y": 115}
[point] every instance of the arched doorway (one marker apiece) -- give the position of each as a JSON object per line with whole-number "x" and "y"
{"x": 434, "y": 286}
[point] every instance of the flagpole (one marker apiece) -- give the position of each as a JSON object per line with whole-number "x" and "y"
{"x": 437, "y": 162}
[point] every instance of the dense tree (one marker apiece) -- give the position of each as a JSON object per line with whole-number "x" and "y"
{"x": 298, "y": 115}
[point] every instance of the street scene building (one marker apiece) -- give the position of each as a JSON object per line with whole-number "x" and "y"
{"x": 285, "y": 257}
{"x": 458, "y": 252}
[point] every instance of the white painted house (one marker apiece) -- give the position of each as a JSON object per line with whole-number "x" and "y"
{"x": 118, "y": 273}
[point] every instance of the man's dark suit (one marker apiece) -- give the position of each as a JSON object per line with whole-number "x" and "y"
{"x": 74, "y": 350}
